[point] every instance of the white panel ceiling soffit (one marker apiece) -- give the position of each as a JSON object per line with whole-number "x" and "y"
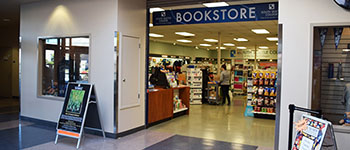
{"x": 171, "y": 3}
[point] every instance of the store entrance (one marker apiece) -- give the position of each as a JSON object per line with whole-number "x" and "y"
{"x": 213, "y": 81}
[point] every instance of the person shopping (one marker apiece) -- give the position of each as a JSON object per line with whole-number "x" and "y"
{"x": 225, "y": 84}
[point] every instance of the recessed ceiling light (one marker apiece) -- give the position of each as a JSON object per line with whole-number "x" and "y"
{"x": 346, "y": 50}
{"x": 263, "y": 47}
{"x": 216, "y": 4}
{"x": 260, "y": 31}
{"x": 155, "y": 9}
{"x": 204, "y": 45}
{"x": 276, "y": 43}
{"x": 272, "y": 38}
{"x": 221, "y": 47}
{"x": 184, "y": 41}
{"x": 240, "y": 39}
{"x": 197, "y": 47}
{"x": 155, "y": 35}
{"x": 229, "y": 44}
{"x": 151, "y": 25}
{"x": 210, "y": 40}
{"x": 184, "y": 33}
{"x": 241, "y": 47}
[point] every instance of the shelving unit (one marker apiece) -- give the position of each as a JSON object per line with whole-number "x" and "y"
{"x": 263, "y": 93}
{"x": 194, "y": 80}
{"x": 239, "y": 76}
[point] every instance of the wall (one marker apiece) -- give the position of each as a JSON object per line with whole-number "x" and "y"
{"x": 297, "y": 17}
{"x": 179, "y": 50}
{"x": 136, "y": 9}
{"x": 61, "y": 18}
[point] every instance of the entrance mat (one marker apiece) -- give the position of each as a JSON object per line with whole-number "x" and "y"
{"x": 178, "y": 142}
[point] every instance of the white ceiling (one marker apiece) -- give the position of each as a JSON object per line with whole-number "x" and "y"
{"x": 228, "y": 32}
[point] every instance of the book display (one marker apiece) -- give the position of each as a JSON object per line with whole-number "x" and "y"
{"x": 194, "y": 80}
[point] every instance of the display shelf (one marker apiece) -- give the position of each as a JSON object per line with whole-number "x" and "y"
{"x": 180, "y": 110}
{"x": 264, "y": 113}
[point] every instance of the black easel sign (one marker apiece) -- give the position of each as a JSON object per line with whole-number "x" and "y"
{"x": 75, "y": 112}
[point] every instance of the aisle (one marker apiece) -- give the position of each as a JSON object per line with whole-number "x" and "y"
{"x": 221, "y": 123}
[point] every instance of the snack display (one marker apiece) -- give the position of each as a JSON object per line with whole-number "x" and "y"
{"x": 264, "y": 91}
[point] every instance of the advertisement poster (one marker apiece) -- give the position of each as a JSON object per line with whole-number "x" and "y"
{"x": 311, "y": 133}
{"x": 74, "y": 106}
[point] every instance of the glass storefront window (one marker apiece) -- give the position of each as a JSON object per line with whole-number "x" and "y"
{"x": 331, "y": 72}
{"x": 62, "y": 60}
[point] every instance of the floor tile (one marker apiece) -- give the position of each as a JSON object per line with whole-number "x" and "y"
{"x": 178, "y": 142}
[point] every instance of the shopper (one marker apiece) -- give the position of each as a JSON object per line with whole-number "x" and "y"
{"x": 225, "y": 84}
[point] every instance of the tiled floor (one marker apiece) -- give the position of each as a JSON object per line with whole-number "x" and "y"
{"x": 207, "y": 127}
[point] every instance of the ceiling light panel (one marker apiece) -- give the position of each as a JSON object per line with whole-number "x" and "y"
{"x": 221, "y": 47}
{"x": 184, "y": 41}
{"x": 155, "y": 9}
{"x": 184, "y": 33}
{"x": 210, "y": 40}
{"x": 263, "y": 47}
{"x": 272, "y": 38}
{"x": 241, "y": 47}
{"x": 260, "y": 31}
{"x": 229, "y": 44}
{"x": 240, "y": 39}
{"x": 204, "y": 44}
{"x": 155, "y": 35}
{"x": 215, "y": 4}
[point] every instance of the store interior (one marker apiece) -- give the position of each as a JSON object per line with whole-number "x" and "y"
{"x": 191, "y": 57}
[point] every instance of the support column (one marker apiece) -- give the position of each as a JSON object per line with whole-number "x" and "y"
{"x": 255, "y": 63}
{"x": 219, "y": 53}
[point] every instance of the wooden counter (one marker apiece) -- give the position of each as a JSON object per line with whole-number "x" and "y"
{"x": 160, "y": 103}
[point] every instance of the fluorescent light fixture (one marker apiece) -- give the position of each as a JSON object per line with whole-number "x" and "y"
{"x": 229, "y": 44}
{"x": 240, "y": 39}
{"x": 184, "y": 41}
{"x": 155, "y": 9}
{"x": 165, "y": 56}
{"x": 260, "y": 31}
{"x": 184, "y": 33}
{"x": 263, "y": 47}
{"x": 272, "y": 38}
{"x": 155, "y": 35}
{"x": 204, "y": 45}
{"x": 221, "y": 47}
{"x": 241, "y": 47}
{"x": 210, "y": 40}
{"x": 346, "y": 50}
{"x": 216, "y": 4}
{"x": 151, "y": 25}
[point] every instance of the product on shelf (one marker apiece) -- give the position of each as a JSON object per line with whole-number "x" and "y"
{"x": 263, "y": 91}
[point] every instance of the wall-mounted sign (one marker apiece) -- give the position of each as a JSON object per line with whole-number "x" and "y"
{"x": 233, "y": 53}
{"x": 234, "y": 13}
{"x": 260, "y": 54}
{"x": 343, "y": 3}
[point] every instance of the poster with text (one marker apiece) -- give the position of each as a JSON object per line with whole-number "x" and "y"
{"x": 312, "y": 134}
{"x": 74, "y": 106}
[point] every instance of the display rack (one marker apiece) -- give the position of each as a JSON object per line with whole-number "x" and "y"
{"x": 239, "y": 76}
{"x": 194, "y": 80}
{"x": 263, "y": 93}
{"x": 213, "y": 93}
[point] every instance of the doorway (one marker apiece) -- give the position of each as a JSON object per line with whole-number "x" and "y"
{"x": 247, "y": 49}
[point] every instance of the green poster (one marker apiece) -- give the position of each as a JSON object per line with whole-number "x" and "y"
{"x": 75, "y": 101}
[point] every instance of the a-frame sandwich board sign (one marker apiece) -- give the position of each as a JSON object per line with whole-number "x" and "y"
{"x": 80, "y": 110}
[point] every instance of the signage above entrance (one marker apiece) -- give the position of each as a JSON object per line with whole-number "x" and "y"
{"x": 234, "y": 13}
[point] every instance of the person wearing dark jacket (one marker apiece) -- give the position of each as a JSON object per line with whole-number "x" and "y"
{"x": 225, "y": 85}
{"x": 158, "y": 78}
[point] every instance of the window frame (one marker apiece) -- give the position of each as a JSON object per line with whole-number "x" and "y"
{"x": 40, "y": 61}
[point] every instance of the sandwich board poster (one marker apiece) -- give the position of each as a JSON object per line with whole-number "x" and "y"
{"x": 311, "y": 132}
{"x": 73, "y": 111}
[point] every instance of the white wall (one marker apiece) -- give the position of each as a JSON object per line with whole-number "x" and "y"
{"x": 132, "y": 22}
{"x": 297, "y": 17}
{"x": 58, "y": 18}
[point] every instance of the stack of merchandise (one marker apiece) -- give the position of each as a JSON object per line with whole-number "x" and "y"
{"x": 178, "y": 104}
{"x": 264, "y": 91}
{"x": 171, "y": 79}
